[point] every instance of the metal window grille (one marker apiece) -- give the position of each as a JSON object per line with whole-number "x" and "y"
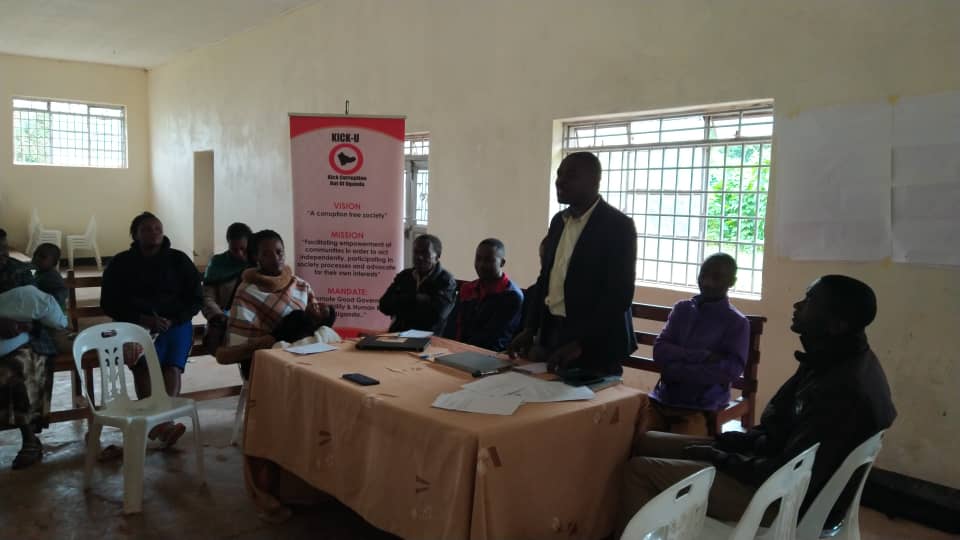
{"x": 695, "y": 183}
{"x": 416, "y": 145}
{"x": 416, "y": 151}
{"x": 47, "y": 132}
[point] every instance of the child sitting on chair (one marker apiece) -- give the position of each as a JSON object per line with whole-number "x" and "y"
{"x": 46, "y": 259}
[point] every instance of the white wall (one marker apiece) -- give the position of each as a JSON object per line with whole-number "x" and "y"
{"x": 487, "y": 80}
{"x": 66, "y": 197}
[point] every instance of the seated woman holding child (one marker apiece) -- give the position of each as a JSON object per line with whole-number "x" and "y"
{"x": 26, "y": 357}
{"x": 270, "y": 304}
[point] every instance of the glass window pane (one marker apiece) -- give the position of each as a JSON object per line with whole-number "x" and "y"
{"x": 687, "y": 198}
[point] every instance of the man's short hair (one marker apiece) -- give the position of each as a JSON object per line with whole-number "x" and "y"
{"x": 723, "y": 258}
{"x": 496, "y": 244}
{"x": 849, "y": 299}
{"x": 434, "y": 241}
{"x": 236, "y": 231}
{"x": 47, "y": 249}
{"x": 588, "y": 161}
{"x": 3, "y": 234}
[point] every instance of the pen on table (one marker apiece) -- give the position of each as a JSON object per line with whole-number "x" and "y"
{"x": 479, "y": 373}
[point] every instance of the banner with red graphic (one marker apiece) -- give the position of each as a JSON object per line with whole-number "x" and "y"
{"x": 348, "y": 210}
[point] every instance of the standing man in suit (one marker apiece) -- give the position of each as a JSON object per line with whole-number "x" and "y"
{"x": 580, "y": 316}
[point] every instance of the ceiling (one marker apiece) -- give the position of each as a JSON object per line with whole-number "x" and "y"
{"x": 137, "y": 33}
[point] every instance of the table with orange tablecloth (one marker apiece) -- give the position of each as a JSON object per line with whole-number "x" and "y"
{"x": 551, "y": 470}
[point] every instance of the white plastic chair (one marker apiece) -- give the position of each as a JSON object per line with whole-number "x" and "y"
{"x": 39, "y": 235}
{"x": 788, "y": 485}
{"x": 675, "y": 514}
{"x": 813, "y": 522}
{"x": 241, "y": 412}
{"x": 134, "y": 418}
{"x": 87, "y": 241}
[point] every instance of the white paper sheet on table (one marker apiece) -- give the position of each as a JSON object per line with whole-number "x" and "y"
{"x": 529, "y": 389}
{"x": 312, "y": 348}
{"x": 467, "y": 401}
{"x": 553, "y": 391}
{"x": 415, "y": 334}
{"x": 499, "y": 385}
{"x": 833, "y": 183}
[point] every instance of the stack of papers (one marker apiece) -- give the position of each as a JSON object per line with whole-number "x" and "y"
{"x": 530, "y": 389}
{"x": 415, "y": 334}
{"x": 312, "y": 348}
{"x": 503, "y": 393}
{"x": 468, "y": 401}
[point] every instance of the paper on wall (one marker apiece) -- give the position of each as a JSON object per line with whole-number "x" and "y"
{"x": 833, "y": 183}
{"x": 926, "y": 180}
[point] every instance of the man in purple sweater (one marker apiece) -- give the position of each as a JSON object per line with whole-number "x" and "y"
{"x": 701, "y": 351}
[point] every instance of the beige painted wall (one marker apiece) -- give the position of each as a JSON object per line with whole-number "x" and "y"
{"x": 487, "y": 80}
{"x": 204, "y": 233}
{"x": 66, "y": 197}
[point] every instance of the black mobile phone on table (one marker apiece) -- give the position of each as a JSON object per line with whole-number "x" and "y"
{"x": 360, "y": 379}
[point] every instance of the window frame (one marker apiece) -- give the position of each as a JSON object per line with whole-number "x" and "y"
{"x": 741, "y": 115}
{"x": 89, "y": 150}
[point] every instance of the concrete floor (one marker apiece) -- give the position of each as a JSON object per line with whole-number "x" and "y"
{"x": 47, "y": 501}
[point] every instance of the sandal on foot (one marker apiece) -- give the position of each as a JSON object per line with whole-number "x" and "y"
{"x": 158, "y": 431}
{"x": 30, "y": 454}
{"x": 172, "y": 435}
{"x": 110, "y": 453}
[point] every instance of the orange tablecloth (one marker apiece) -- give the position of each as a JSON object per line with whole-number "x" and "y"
{"x": 551, "y": 470}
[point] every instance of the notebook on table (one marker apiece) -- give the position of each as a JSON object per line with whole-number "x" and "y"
{"x": 393, "y": 343}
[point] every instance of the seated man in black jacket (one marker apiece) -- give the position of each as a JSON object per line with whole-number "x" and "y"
{"x": 838, "y": 397}
{"x": 421, "y": 298}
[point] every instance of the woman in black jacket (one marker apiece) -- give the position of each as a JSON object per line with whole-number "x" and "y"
{"x": 159, "y": 288}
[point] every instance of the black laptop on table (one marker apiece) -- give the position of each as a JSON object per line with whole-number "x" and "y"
{"x": 393, "y": 343}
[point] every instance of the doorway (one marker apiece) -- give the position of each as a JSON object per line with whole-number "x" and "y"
{"x": 203, "y": 234}
{"x": 416, "y": 181}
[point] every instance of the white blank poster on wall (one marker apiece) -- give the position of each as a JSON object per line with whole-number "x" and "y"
{"x": 833, "y": 183}
{"x": 926, "y": 180}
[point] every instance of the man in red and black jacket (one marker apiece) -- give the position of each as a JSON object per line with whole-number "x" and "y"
{"x": 489, "y": 309}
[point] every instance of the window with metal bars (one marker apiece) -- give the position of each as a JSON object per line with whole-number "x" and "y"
{"x": 49, "y": 132}
{"x": 695, "y": 183}
{"x": 416, "y": 152}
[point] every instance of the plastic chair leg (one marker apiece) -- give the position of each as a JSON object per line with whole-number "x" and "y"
{"x": 198, "y": 446}
{"x": 93, "y": 449}
{"x": 70, "y": 251}
{"x": 851, "y": 527}
{"x": 134, "y": 457}
{"x": 238, "y": 418}
{"x": 96, "y": 255}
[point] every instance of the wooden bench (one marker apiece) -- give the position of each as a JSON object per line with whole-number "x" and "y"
{"x": 64, "y": 362}
{"x": 742, "y": 407}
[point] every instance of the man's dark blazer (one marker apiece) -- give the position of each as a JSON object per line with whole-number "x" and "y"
{"x": 598, "y": 289}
